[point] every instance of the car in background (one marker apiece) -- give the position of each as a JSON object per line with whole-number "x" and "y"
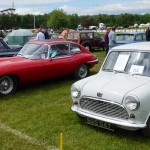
{"x": 8, "y": 50}
{"x": 130, "y": 37}
{"x": 119, "y": 95}
{"x": 43, "y": 60}
{"x": 54, "y": 36}
{"x": 89, "y": 39}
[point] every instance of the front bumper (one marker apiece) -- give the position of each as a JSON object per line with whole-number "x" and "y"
{"x": 118, "y": 123}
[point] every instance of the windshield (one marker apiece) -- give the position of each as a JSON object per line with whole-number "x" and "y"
{"x": 33, "y": 51}
{"x": 128, "y": 62}
{"x": 126, "y": 37}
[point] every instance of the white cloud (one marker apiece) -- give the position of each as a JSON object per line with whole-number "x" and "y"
{"x": 23, "y": 11}
{"x": 27, "y": 2}
{"x": 112, "y": 8}
{"x": 25, "y": 7}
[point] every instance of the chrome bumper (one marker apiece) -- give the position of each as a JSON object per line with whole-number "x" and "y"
{"x": 95, "y": 61}
{"x": 119, "y": 123}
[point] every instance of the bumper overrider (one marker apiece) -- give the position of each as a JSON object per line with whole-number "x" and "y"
{"x": 94, "y": 61}
{"x": 120, "y": 123}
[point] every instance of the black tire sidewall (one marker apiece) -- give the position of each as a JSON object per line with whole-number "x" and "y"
{"x": 77, "y": 74}
{"x": 15, "y": 84}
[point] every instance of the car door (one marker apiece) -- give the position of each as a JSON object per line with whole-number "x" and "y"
{"x": 57, "y": 65}
{"x": 97, "y": 40}
{"x": 76, "y": 57}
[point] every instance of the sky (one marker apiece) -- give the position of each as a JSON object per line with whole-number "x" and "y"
{"x": 80, "y": 7}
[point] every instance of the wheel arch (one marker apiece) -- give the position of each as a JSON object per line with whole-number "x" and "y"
{"x": 13, "y": 76}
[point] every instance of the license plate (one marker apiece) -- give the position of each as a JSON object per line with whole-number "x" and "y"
{"x": 100, "y": 124}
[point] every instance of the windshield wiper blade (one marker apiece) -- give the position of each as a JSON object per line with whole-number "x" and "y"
{"x": 115, "y": 71}
{"x": 119, "y": 71}
{"x": 140, "y": 74}
{"x": 108, "y": 70}
{"x": 20, "y": 55}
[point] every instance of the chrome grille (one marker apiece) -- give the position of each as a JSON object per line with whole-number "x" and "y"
{"x": 104, "y": 108}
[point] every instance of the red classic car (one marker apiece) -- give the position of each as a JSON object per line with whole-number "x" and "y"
{"x": 42, "y": 60}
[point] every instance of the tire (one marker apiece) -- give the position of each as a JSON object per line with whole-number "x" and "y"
{"x": 146, "y": 131}
{"x": 82, "y": 71}
{"x": 8, "y": 85}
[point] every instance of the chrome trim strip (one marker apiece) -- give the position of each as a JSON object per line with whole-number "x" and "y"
{"x": 96, "y": 60}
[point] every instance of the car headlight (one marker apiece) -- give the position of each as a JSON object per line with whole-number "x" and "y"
{"x": 132, "y": 102}
{"x": 75, "y": 91}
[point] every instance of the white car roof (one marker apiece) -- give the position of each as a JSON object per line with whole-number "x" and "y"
{"x": 141, "y": 46}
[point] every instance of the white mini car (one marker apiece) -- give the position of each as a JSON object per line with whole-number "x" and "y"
{"x": 119, "y": 95}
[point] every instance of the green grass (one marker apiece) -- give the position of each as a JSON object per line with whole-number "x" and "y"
{"x": 42, "y": 111}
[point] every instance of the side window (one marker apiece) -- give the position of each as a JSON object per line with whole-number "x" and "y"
{"x": 74, "y": 49}
{"x": 70, "y": 35}
{"x": 83, "y": 35}
{"x": 76, "y": 35}
{"x": 139, "y": 37}
{"x": 59, "y": 50}
{"x": 90, "y": 36}
{"x": 144, "y": 37}
{"x": 96, "y": 35}
{"x": 1, "y": 45}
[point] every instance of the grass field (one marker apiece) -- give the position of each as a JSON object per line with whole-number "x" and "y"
{"x": 34, "y": 117}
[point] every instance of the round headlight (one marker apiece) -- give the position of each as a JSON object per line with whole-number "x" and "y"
{"x": 75, "y": 91}
{"x": 132, "y": 102}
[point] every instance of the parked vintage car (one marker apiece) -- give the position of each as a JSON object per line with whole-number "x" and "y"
{"x": 54, "y": 36}
{"x": 130, "y": 37}
{"x": 41, "y": 60}
{"x": 89, "y": 39}
{"x": 119, "y": 95}
{"x": 8, "y": 50}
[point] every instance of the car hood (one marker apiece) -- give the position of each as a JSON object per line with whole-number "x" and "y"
{"x": 112, "y": 87}
{"x": 12, "y": 63}
{"x": 10, "y": 60}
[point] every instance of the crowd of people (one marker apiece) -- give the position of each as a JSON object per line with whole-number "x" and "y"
{"x": 110, "y": 38}
{"x": 42, "y": 34}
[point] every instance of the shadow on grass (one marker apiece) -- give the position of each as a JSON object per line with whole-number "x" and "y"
{"x": 135, "y": 136}
{"x": 54, "y": 83}
{"x": 32, "y": 88}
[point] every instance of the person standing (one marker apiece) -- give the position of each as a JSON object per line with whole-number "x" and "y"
{"x": 148, "y": 34}
{"x": 112, "y": 38}
{"x": 40, "y": 35}
{"x": 46, "y": 34}
{"x": 106, "y": 39}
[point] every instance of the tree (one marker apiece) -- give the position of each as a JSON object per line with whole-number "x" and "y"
{"x": 73, "y": 21}
{"x": 58, "y": 19}
{"x": 88, "y": 21}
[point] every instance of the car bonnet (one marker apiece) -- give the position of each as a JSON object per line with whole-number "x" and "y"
{"x": 112, "y": 87}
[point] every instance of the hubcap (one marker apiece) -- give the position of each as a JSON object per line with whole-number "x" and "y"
{"x": 6, "y": 85}
{"x": 83, "y": 71}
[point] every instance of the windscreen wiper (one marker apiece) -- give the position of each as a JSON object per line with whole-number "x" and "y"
{"x": 140, "y": 74}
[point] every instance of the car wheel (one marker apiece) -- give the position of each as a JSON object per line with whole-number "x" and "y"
{"x": 8, "y": 85}
{"x": 82, "y": 71}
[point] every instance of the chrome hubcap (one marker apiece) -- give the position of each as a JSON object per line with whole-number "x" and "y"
{"x": 6, "y": 85}
{"x": 82, "y": 71}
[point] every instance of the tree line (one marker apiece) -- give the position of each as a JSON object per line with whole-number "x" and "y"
{"x": 59, "y": 19}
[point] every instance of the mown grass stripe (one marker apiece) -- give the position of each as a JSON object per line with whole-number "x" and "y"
{"x": 26, "y": 137}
